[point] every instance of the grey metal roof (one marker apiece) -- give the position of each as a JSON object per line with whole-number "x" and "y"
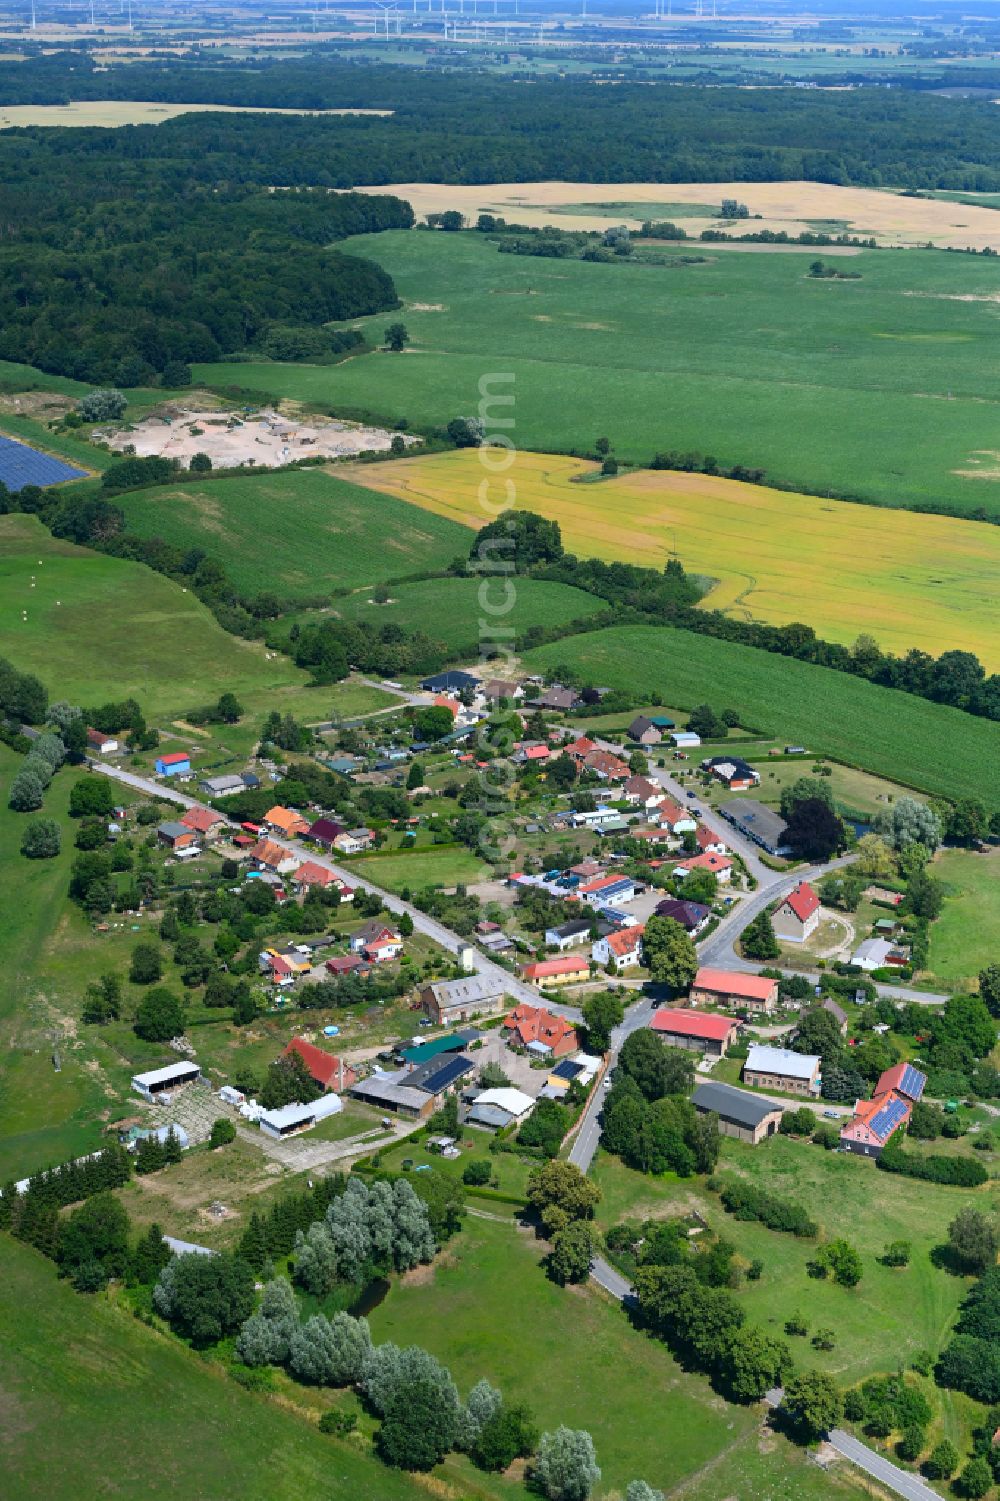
{"x": 490, "y": 1115}
{"x": 756, "y": 820}
{"x": 465, "y": 991}
{"x": 386, "y": 1089}
{"x": 733, "y": 1104}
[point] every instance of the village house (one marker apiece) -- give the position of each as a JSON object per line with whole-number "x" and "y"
{"x": 622, "y": 948}
{"x": 709, "y": 843}
{"x": 495, "y": 689}
{"x": 742, "y": 1115}
{"x": 450, "y": 1001}
{"x": 540, "y": 1031}
{"x": 838, "y": 1013}
{"x": 639, "y": 790}
{"x": 732, "y": 771}
{"x": 720, "y": 866}
{"x": 452, "y": 681}
{"x": 348, "y": 964}
{"x": 311, "y": 874}
{"x": 377, "y": 941}
{"x": 778, "y": 1068}
{"x": 874, "y": 1121}
{"x": 222, "y": 786}
{"x": 325, "y": 832}
{"x": 711, "y": 1035}
{"x": 566, "y": 970}
{"x": 643, "y": 731}
{"x": 578, "y": 750}
{"x": 878, "y": 953}
{"x": 797, "y": 917}
{"x": 570, "y": 935}
{"x": 354, "y": 841}
{"x": 271, "y": 856}
{"x": 323, "y": 1068}
{"x": 732, "y": 988}
{"x": 285, "y": 821}
{"x": 176, "y": 837}
{"x": 204, "y": 822}
{"x": 693, "y": 917}
{"x": 608, "y": 891}
{"x": 606, "y": 766}
{"x": 672, "y": 817}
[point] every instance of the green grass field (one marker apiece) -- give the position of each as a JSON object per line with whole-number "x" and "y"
{"x": 488, "y": 1308}
{"x": 966, "y": 937}
{"x": 100, "y": 628}
{"x": 456, "y": 611}
{"x": 97, "y": 1405}
{"x": 297, "y": 535}
{"x": 444, "y": 866}
{"x": 906, "y": 739}
{"x": 878, "y": 388}
{"x": 911, "y": 1309}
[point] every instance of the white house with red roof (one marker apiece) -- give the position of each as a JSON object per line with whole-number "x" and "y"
{"x": 670, "y": 815}
{"x": 720, "y": 866}
{"x": 204, "y": 821}
{"x": 797, "y": 917}
{"x": 622, "y": 948}
{"x": 640, "y": 791}
{"x": 709, "y": 843}
{"x": 578, "y": 750}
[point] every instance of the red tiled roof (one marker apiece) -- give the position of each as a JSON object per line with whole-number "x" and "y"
{"x": 692, "y": 1024}
{"x": 442, "y": 701}
{"x": 624, "y": 940}
{"x": 705, "y": 837}
{"x": 803, "y": 901}
{"x": 705, "y": 862}
{"x": 535, "y": 1024}
{"x": 286, "y": 819}
{"x": 269, "y": 853}
{"x": 731, "y": 982}
{"x": 581, "y": 747}
{"x": 323, "y": 1067}
{"x": 311, "y": 874}
{"x": 670, "y": 811}
{"x": 566, "y": 965}
{"x": 201, "y": 819}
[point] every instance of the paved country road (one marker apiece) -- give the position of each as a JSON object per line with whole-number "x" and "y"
{"x": 883, "y": 1470}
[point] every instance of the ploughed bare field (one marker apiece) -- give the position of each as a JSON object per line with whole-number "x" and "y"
{"x": 794, "y": 207}
{"x": 115, "y": 112}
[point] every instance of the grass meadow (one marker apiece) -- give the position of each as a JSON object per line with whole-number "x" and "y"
{"x": 458, "y": 610}
{"x": 966, "y": 937}
{"x": 894, "y": 735}
{"x": 880, "y": 389}
{"x": 925, "y": 581}
{"x": 911, "y": 1308}
{"x": 488, "y": 1309}
{"x": 296, "y": 534}
{"x": 101, "y": 628}
{"x": 447, "y": 865}
{"x": 78, "y": 1372}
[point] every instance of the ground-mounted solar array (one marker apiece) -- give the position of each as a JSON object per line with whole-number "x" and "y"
{"x": 21, "y": 466}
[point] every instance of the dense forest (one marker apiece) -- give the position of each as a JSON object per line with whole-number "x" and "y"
{"x": 118, "y": 287}
{"x": 477, "y": 127}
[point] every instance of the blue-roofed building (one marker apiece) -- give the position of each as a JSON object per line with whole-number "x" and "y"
{"x": 21, "y": 466}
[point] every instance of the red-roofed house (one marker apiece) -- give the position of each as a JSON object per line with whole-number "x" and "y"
{"x": 670, "y": 815}
{"x": 709, "y": 843}
{"x": 569, "y": 969}
{"x": 874, "y": 1122}
{"x": 579, "y": 750}
{"x": 272, "y": 857}
{"x": 204, "y": 821}
{"x": 534, "y": 750}
{"x": 311, "y": 874}
{"x": 608, "y": 767}
{"x": 540, "y": 1030}
{"x": 720, "y": 866}
{"x": 286, "y": 821}
{"x": 348, "y": 964}
{"x": 442, "y": 701}
{"x": 902, "y": 1079}
{"x": 692, "y": 1029}
{"x": 727, "y": 987}
{"x": 328, "y": 1071}
{"x": 797, "y": 917}
{"x": 622, "y": 948}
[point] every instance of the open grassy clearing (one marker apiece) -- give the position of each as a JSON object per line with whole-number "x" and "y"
{"x": 460, "y": 611}
{"x": 99, "y": 628}
{"x": 912, "y": 1308}
{"x": 447, "y": 866}
{"x": 111, "y": 113}
{"x": 297, "y": 534}
{"x": 570, "y": 1354}
{"x": 928, "y": 581}
{"x": 81, "y": 1368}
{"x": 893, "y": 734}
{"x": 875, "y": 388}
{"x": 966, "y": 937}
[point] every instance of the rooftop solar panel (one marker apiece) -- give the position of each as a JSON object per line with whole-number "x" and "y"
{"x": 885, "y": 1121}
{"x": 21, "y": 465}
{"x": 912, "y": 1082}
{"x": 567, "y": 1069}
{"x": 449, "y": 1071}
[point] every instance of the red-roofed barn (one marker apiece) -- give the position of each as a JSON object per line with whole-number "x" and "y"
{"x": 328, "y": 1071}
{"x": 728, "y": 987}
{"x": 692, "y": 1029}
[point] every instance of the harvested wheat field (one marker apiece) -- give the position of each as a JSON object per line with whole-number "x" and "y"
{"x": 789, "y": 206}
{"x": 924, "y": 581}
{"x": 116, "y": 112}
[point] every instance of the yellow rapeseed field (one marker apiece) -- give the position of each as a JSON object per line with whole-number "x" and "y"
{"x": 930, "y": 582}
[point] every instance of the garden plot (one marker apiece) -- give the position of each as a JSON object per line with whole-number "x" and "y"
{"x": 230, "y": 439}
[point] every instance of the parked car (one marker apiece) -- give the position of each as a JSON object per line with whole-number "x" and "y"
{"x": 832, "y": 1115}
